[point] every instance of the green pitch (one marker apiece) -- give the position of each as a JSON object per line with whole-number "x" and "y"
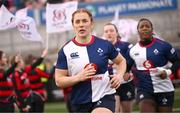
{"x": 60, "y": 107}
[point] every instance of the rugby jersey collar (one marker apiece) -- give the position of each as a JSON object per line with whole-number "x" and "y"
{"x": 82, "y": 44}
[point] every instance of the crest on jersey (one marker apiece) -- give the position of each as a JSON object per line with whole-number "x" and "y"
{"x": 100, "y": 51}
{"x": 172, "y": 50}
{"x": 156, "y": 52}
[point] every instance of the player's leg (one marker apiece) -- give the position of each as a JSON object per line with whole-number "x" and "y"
{"x": 127, "y": 95}
{"x": 117, "y": 104}
{"x": 147, "y": 106}
{"x": 127, "y": 106}
{"x": 146, "y": 102}
{"x": 165, "y": 109}
{"x": 165, "y": 101}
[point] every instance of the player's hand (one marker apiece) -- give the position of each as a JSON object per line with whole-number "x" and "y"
{"x": 87, "y": 73}
{"x": 115, "y": 81}
{"x": 127, "y": 76}
{"x": 162, "y": 72}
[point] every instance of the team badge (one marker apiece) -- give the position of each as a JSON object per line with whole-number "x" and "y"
{"x": 141, "y": 96}
{"x": 164, "y": 101}
{"x": 100, "y": 51}
{"x": 172, "y": 50}
{"x": 129, "y": 94}
{"x": 156, "y": 52}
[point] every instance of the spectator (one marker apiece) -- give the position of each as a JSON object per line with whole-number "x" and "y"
{"x": 6, "y": 85}
{"x": 21, "y": 86}
{"x": 37, "y": 86}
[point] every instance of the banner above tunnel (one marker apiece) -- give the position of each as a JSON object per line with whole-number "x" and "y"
{"x": 125, "y": 7}
{"x": 107, "y": 9}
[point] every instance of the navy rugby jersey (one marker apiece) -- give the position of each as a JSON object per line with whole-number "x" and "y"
{"x": 74, "y": 56}
{"x": 146, "y": 58}
{"x": 122, "y": 47}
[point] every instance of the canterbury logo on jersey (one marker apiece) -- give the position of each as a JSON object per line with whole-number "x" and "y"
{"x": 74, "y": 55}
{"x": 136, "y": 54}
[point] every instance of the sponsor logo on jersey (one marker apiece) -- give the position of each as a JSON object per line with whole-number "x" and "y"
{"x": 96, "y": 78}
{"x": 148, "y": 64}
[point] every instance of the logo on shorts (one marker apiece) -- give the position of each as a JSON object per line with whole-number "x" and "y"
{"x": 141, "y": 96}
{"x": 172, "y": 51}
{"x": 99, "y": 102}
{"x": 164, "y": 101}
{"x": 129, "y": 94}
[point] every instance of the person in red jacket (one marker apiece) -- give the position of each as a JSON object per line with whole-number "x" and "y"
{"x": 21, "y": 86}
{"x": 6, "y": 86}
{"x": 37, "y": 86}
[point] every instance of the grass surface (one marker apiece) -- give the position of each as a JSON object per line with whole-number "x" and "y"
{"x": 60, "y": 107}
